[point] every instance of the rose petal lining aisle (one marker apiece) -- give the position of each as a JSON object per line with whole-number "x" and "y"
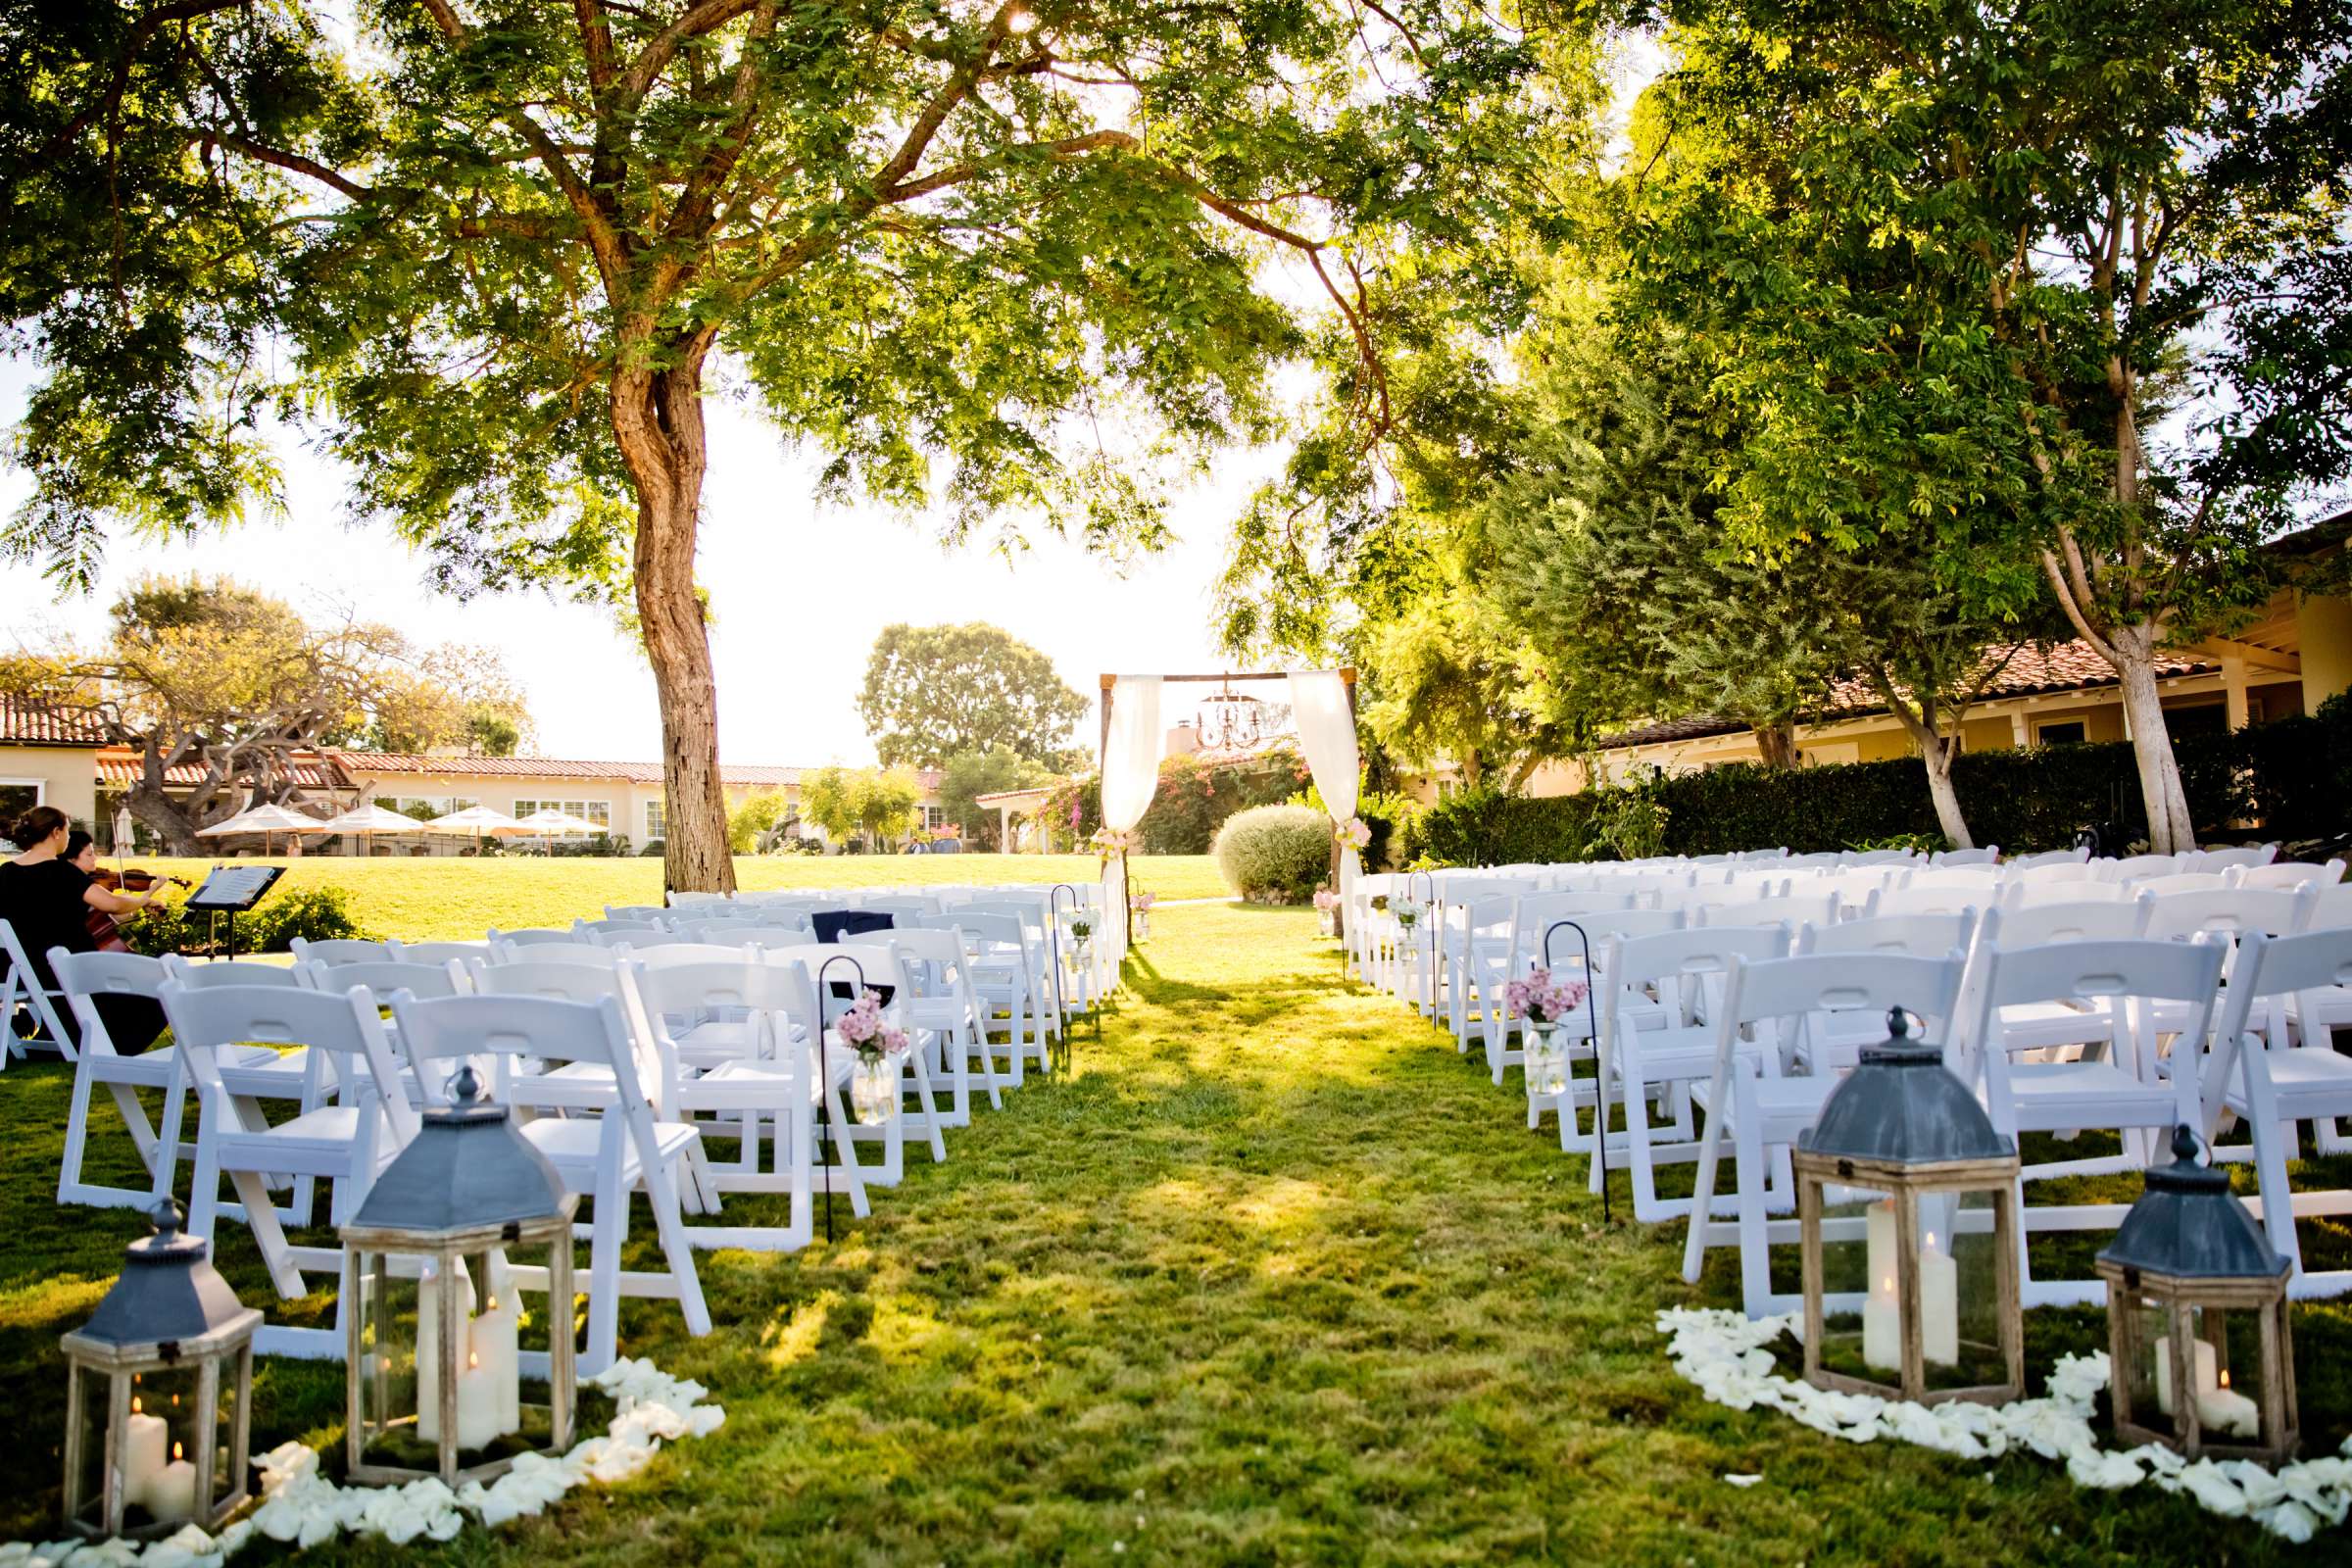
{"x": 302, "y": 1508}
{"x": 1729, "y": 1360}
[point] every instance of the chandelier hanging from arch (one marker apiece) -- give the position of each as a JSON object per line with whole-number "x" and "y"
{"x": 1232, "y": 722}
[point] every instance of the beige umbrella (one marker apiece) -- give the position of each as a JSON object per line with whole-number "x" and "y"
{"x": 547, "y": 819}
{"x": 477, "y": 821}
{"x": 265, "y": 820}
{"x": 371, "y": 818}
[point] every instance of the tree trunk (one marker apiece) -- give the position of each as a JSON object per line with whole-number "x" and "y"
{"x": 1776, "y": 743}
{"x": 1947, "y": 800}
{"x": 657, "y": 418}
{"x": 164, "y": 819}
{"x": 2170, "y": 830}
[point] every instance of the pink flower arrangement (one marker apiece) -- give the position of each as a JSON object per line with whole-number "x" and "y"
{"x": 1357, "y": 833}
{"x": 1541, "y": 998}
{"x": 1141, "y": 900}
{"x": 1110, "y": 841}
{"x": 864, "y": 1027}
{"x": 1326, "y": 900}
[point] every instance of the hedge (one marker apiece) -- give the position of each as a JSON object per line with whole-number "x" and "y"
{"x": 2293, "y": 777}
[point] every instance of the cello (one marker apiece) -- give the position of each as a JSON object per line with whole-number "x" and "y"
{"x": 103, "y": 931}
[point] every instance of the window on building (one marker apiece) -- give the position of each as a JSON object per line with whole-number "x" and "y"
{"x": 2206, "y": 719}
{"x": 2068, "y": 733}
{"x": 657, "y": 820}
{"x": 19, "y": 795}
{"x": 934, "y": 817}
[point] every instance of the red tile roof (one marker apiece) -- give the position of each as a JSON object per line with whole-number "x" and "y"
{"x": 381, "y": 763}
{"x": 24, "y": 722}
{"x": 120, "y": 767}
{"x": 2030, "y": 672}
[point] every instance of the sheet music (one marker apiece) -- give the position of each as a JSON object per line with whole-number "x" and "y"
{"x": 235, "y": 887}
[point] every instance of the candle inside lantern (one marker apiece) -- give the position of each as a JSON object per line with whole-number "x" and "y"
{"x": 496, "y": 1346}
{"x": 1938, "y": 1303}
{"x": 2220, "y": 1409}
{"x": 428, "y": 1349}
{"x": 171, "y": 1492}
{"x": 143, "y": 1443}
{"x": 1882, "y": 1315}
{"x": 478, "y": 1406}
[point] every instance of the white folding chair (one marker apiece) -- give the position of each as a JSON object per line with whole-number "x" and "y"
{"x": 436, "y": 952}
{"x": 384, "y": 978}
{"x": 1584, "y": 933}
{"x": 82, "y": 978}
{"x": 2241, "y": 857}
{"x": 533, "y": 935}
{"x": 2078, "y": 856}
{"x": 1762, "y": 1116}
{"x": 21, "y": 987}
{"x": 944, "y": 1008}
{"x": 1833, "y": 1041}
{"x": 348, "y": 1142}
{"x": 2122, "y": 1090}
{"x": 646, "y": 913}
{"x": 877, "y": 967}
{"x": 1004, "y": 979}
{"x": 2271, "y": 1089}
{"x": 2291, "y": 874}
{"x": 609, "y": 1147}
{"x": 1792, "y": 910}
{"x": 1652, "y": 1061}
{"x": 768, "y": 1092}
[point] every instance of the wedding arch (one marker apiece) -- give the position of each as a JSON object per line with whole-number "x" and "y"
{"x": 1135, "y": 741}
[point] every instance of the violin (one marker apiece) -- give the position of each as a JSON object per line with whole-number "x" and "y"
{"x": 101, "y": 926}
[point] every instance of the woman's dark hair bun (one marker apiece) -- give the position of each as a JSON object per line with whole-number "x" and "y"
{"x": 35, "y": 825}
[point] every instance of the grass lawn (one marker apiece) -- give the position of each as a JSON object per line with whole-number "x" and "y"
{"x": 449, "y": 900}
{"x": 1277, "y": 1277}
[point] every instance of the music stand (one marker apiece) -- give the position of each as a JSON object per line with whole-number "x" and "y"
{"x": 232, "y": 890}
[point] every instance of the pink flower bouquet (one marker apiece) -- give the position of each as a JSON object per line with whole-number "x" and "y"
{"x": 1541, "y": 998}
{"x": 1357, "y": 833}
{"x": 864, "y": 1027}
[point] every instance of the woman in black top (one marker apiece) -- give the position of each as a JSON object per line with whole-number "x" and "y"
{"x": 46, "y": 900}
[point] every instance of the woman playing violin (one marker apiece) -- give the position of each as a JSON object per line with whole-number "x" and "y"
{"x": 47, "y": 898}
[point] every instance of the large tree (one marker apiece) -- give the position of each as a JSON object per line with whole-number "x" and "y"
{"x": 968, "y": 775}
{"x": 2066, "y": 283}
{"x": 215, "y": 679}
{"x": 496, "y": 254}
{"x": 932, "y": 692}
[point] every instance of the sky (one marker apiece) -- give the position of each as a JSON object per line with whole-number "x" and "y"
{"x": 798, "y": 591}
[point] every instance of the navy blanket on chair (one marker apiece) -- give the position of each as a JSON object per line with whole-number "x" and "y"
{"x": 835, "y": 925}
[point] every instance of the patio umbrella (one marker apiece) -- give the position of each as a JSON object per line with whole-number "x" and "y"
{"x": 547, "y": 819}
{"x": 265, "y": 820}
{"x": 477, "y": 821}
{"x": 371, "y": 818}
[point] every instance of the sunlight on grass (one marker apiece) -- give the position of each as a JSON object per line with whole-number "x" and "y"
{"x": 1275, "y": 1277}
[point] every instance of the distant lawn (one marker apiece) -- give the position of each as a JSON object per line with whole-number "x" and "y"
{"x": 449, "y": 898}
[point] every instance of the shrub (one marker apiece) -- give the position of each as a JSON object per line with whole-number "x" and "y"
{"x": 2293, "y": 777}
{"x": 314, "y": 914}
{"x": 1275, "y": 853}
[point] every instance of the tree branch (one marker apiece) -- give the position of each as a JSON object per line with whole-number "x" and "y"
{"x": 261, "y": 152}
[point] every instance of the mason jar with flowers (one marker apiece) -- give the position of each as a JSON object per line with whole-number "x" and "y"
{"x": 1139, "y": 903}
{"x": 1541, "y": 1002}
{"x": 1327, "y": 905}
{"x": 881, "y": 1046}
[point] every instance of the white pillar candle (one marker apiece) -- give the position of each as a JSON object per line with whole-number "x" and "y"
{"x": 428, "y": 1349}
{"x": 477, "y": 1406}
{"x": 1882, "y": 1315}
{"x": 1938, "y": 1303}
{"x": 497, "y": 1344}
{"x": 144, "y": 1441}
{"x": 2221, "y": 1409}
{"x": 171, "y": 1492}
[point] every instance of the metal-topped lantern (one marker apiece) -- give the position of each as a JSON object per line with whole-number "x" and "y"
{"x": 436, "y": 1263}
{"x": 158, "y": 1394}
{"x": 1907, "y": 1210}
{"x": 2196, "y": 1300}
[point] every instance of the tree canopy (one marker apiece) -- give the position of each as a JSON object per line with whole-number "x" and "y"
{"x": 967, "y": 775}
{"x": 933, "y": 692}
{"x": 1017, "y": 261}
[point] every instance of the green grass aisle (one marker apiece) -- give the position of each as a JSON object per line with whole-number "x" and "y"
{"x": 1277, "y": 1278}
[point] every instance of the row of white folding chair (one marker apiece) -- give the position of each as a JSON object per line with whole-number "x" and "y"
{"x": 254, "y": 1072}
{"x": 43, "y": 1005}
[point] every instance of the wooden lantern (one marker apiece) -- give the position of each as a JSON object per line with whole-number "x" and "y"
{"x": 1907, "y": 1213}
{"x": 435, "y": 1268}
{"x": 158, "y": 1389}
{"x": 2197, "y": 1300}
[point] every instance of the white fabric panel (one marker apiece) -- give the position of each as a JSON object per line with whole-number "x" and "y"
{"x": 1131, "y": 752}
{"x": 1327, "y": 735}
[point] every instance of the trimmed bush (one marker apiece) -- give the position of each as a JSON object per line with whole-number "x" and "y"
{"x": 1275, "y": 854}
{"x": 2293, "y": 777}
{"x": 314, "y": 914}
